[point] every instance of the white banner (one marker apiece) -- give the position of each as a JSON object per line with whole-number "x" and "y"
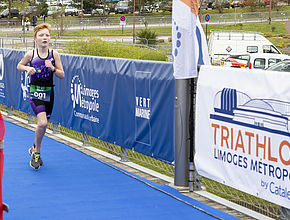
{"x": 243, "y": 130}
{"x": 183, "y": 38}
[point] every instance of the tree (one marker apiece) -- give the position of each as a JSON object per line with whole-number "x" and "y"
{"x": 42, "y": 7}
{"x": 9, "y": 8}
{"x": 88, "y": 4}
{"x": 219, "y": 5}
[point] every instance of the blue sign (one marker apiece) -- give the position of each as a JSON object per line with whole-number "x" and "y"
{"x": 129, "y": 103}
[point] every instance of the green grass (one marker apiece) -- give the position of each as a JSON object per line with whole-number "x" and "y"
{"x": 276, "y": 27}
{"x": 159, "y": 31}
{"x": 97, "y": 47}
{"x": 241, "y": 198}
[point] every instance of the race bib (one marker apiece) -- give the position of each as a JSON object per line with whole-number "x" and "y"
{"x": 40, "y": 92}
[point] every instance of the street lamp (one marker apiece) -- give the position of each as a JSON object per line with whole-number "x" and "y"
{"x": 270, "y": 6}
{"x": 82, "y": 9}
{"x": 82, "y": 14}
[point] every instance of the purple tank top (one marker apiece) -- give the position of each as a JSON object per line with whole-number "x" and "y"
{"x": 43, "y": 75}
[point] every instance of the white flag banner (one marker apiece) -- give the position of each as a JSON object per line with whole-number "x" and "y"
{"x": 201, "y": 49}
{"x": 242, "y": 134}
{"x": 189, "y": 46}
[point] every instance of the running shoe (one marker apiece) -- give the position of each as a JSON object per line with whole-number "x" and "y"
{"x": 31, "y": 152}
{"x": 35, "y": 162}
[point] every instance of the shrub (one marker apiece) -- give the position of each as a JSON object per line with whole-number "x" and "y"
{"x": 239, "y": 26}
{"x": 97, "y": 47}
{"x": 147, "y": 36}
{"x": 273, "y": 28}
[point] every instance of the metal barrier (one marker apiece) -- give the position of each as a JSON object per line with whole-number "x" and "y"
{"x": 96, "y": 23}
{"x": 246, "y": 17}
{"x": 28, "y": 43}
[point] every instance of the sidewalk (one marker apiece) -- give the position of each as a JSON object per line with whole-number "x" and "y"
{"x": 287, "y": 27}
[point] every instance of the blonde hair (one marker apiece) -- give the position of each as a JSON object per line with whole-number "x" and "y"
{"x": 41, "y": 27}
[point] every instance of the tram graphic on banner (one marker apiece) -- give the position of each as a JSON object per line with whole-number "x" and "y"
{"x": 238, "y": 108}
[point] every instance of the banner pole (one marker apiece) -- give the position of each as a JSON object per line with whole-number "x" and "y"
{"x": 191, "y": 136}
{"x": 194, "y": 177}
{"x": 181, "y": 145}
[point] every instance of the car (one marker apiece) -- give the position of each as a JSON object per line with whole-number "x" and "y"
{"x": 255, "y": 61}
{"x": 210, "y": 3}
{"x": 66, "y": 2}
{"x": 14, "y": 12}
{"x": 265, "y": 60}
{"x": 3, "y": 6}
{"x": 98, "y": 11}
{"x": 101, "y": 10}
{"x": 262, "y": 2}
{"x": 87, "y": 11}
{"x": 222, "y": 4}
{"x": 238, "y": 61}
{"x": 29, "y": 11}
{"x": 112, "y": 9}
{"x": 147, "y": 9}
{"x": 240, "y": 3}
{"x": 123, "y": 7}
{"x": 203, "y": 5}
{"x": 235, "y": 4}
{"x": 69, "y": 10}
{"x": 52, "y": 2}
{"x": 51, "y": 10}
{"x": 283, "y": 66}
{"x": 156, "y": 7}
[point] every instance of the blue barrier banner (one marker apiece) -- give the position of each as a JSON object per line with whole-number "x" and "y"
{"x": 13, "y": 83}
{"x": 129, "y": 103}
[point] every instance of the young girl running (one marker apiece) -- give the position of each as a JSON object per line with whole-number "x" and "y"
{"x": 41, "y": 63}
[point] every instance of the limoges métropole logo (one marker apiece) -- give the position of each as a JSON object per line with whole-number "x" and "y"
{"x": 25, "y": 80}
{"x": 84, "y": 99}
{"x": 1, "y": 67}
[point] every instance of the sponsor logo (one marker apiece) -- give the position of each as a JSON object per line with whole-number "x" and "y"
{"x": 84, "y": 100}
{"x": 1, "y": 67}
{"x": 143, "y": 107}
{"x": 25, "y": 80}
{"x": 2, "y": 85}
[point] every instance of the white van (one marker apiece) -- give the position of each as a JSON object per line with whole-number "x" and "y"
{"x": 222, "y": 44}
{"x": 255, "y": 60}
